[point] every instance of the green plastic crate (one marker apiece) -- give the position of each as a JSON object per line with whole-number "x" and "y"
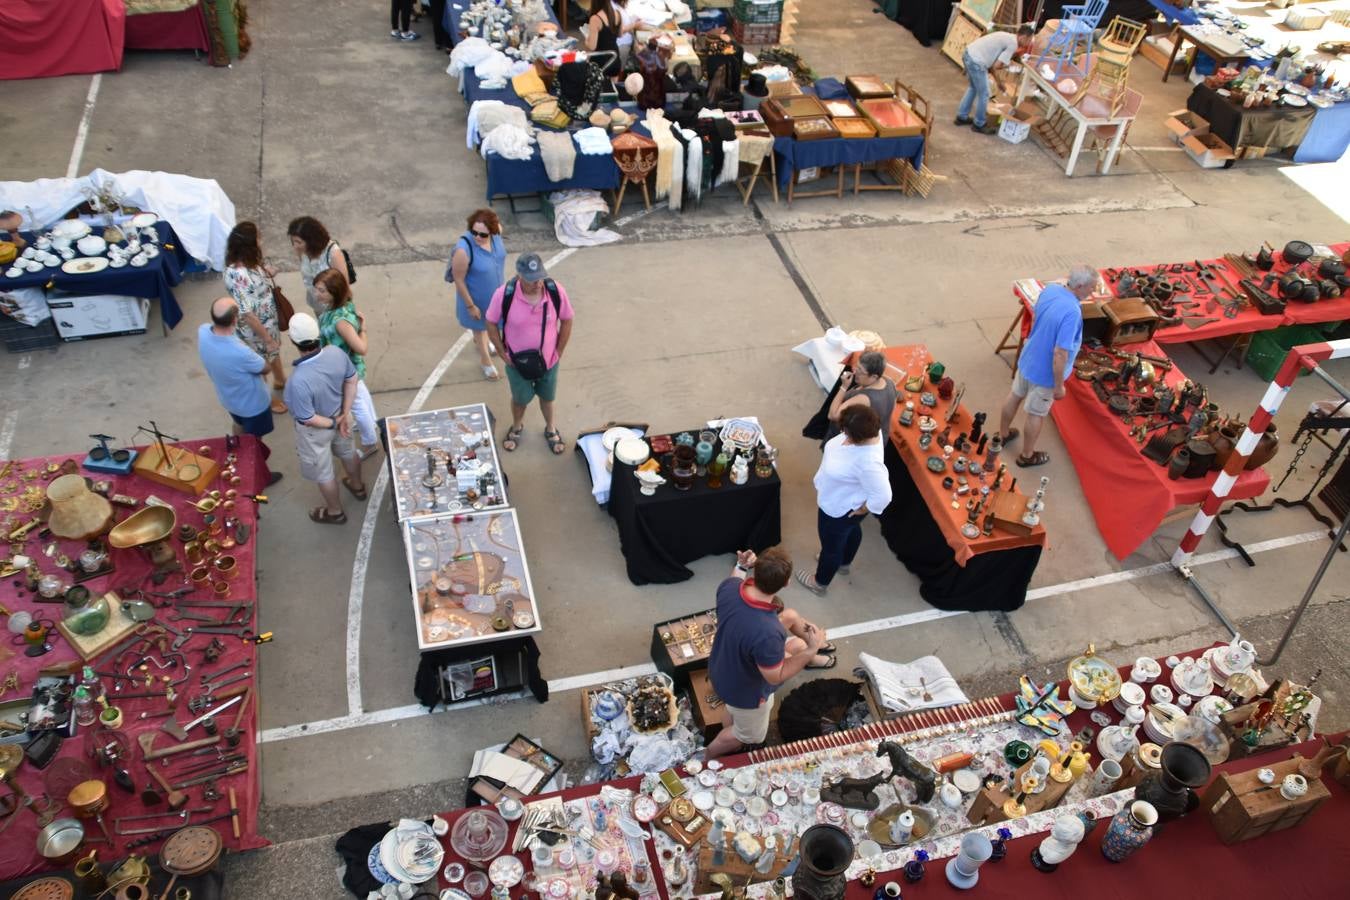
{"x": 758, "y": 12}
{"x": 1269, "y": 348}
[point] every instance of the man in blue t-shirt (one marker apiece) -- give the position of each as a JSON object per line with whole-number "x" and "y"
{"x": 758, "y": 646}
{"x": 236, "y": 372}
{"x": 1047, "y": 359}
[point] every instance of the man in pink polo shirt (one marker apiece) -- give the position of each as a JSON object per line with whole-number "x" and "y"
{"x": 529, "y": 321}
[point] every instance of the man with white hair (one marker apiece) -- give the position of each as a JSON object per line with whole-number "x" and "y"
{"x": 1047, "y": 359}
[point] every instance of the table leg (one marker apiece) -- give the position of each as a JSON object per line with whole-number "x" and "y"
{"x": 1176, "y": 47}
{"x": 1023, "y": 85}
{"x": 857, "y": 178}
{"x": 839, "y": 185}
{"x": 773, "y": 174}
{"x": 1111, "y": 151}
{"x": 1077, "y": 147}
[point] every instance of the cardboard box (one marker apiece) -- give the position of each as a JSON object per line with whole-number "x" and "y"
{"x": 1013, "y": 129}
{"x": 1182, "y": 123}
{"x": 1209, "y": 151}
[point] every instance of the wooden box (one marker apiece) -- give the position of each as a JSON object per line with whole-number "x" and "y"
{"x": 840, "y": 109}
{"x": 1240, "y": 807}
{"x": 707, "y": 713}
{"x": 1096, "y": 325}
{"x": 814, "y": 128}
{"x": 988, "y": 805}
{"x": 776, "y": 118}
{"x": 680, "y": 646}
{"x": 892, "y": 118}
{"x": 788, "y": 88}
{"x": 1008, "y": 508}
{"x": 522, "y": 748}
{"x": 855, "y": 128}
{"x": 866, "y": 86}
{"x": 1131, "y": 321}
{"x": 183, "y": 471}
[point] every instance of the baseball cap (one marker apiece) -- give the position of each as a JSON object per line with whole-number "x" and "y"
{"x": 530, "y": 267}
{"x": 303, "y": 328}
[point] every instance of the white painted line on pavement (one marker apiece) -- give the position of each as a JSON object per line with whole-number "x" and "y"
{"x": 81, "y": 135}
{"x": 7, "y": 432}
{"x": 576, "y": 682}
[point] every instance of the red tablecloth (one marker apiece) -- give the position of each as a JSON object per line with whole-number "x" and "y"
{"x": 1184, "y": 860}
{"x": 18, "y": 854}
{"x": 1129, "y": 495}
{"x": 41, "y": 38}
{"x": 182, "y": 30}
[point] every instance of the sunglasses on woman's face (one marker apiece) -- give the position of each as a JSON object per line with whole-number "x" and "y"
{"x": 482, "y": 233}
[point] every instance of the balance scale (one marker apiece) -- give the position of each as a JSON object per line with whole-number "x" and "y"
{"x": 108, "y": 461}
{"x": 173, "y": 467}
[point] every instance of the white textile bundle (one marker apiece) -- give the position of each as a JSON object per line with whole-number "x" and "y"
{"x": 487, "y": 115}
{"x": 467, "y": 54}
{"x": 594, "y": 142}
{"x": 508, "y": 142}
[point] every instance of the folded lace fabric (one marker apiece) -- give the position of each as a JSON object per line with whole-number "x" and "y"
{"x": 508, "y": 142}
{"x": 558, "y": 153}
{"x": 670, "y": 159}
{"x": 486, "y": 115}
{"x": 467, "y": 54}
{"x": 594, "y": 142}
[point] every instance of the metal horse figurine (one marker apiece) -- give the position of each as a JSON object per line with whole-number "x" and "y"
{"x": 903, "y": 764}
{"x": 855, "y": 793}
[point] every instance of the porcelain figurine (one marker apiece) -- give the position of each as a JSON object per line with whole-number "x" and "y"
{"x": 740, "y": 470}
{"x": 1060, "y": 844}
{"x": 902, "y": 827}
{"x": 650, "y": 481}
{"x": 1130, "y": 829}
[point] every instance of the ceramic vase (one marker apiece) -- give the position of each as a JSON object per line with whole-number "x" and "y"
{"x": 1171, "y": 790}
{"x": 1130, "y": 829}
{"x": 963, "y": 871}
{"x": 1266, "y": 446}
{"x": 824, "y": 855}
{"x": 1180, "y": 462}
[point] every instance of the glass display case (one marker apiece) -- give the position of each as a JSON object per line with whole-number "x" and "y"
{"x": 444, "y": 461}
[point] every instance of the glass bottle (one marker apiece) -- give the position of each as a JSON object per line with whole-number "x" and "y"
{"x": 85, "y": 712}
{"x": 715, "y": 470}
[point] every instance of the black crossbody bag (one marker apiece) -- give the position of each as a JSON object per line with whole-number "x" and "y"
{"x": 530, "y": 364}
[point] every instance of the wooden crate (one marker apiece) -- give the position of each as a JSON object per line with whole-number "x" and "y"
{"x": 1240, "y": 807}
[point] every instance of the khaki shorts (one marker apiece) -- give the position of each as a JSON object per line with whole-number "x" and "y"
{"x": 750, "y": 726}
{"x": 1038, "y": 399}
{"x": 316, "y": 446}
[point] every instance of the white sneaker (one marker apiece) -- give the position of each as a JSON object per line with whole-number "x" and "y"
{"x": 396, "y": 34}
{"x": 409, "y": 36}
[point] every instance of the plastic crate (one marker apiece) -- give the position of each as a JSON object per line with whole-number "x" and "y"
{"x": 20, "y": 338}
{"x": 1269, "y": 348}
{"x": 754, "y": 34}
{"x": 758, "y": 12}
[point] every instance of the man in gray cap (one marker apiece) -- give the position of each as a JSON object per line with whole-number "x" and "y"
{"x": 529, "y": 322}
{"x": 320, "y": 393}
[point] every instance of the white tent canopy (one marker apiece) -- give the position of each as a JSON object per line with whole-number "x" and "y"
{"x": 197, "y": 208}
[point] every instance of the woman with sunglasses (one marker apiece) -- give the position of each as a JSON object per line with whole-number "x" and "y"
{"x": 477, "y": 268}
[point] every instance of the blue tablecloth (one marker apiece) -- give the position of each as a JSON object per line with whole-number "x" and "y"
{"x": 154, "y": 280}
{"x": 794, "y": 154}
{"x": 1328, "y": 136}
{"x": 514, "y": 177}
{"x": 1175, "y": 13}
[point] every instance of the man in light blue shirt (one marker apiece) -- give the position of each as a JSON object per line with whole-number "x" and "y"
{"x": 1047, "y": 359}
{"x": 993, "y": 51}
{"x": 236, "y": 372}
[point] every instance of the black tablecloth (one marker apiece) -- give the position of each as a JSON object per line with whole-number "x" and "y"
{"x": 1279, "y": 127}
{"x": 994, "y": 581}
{"x": 426, "y": 683}
{"x": 660, "y": 533}
{"x": 927, "y": 19}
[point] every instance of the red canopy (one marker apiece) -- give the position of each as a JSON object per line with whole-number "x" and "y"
{"x": 43, "y": 39}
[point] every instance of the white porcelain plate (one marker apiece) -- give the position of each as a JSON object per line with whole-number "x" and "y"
{"x": 85, "y": 266}
{"x": 506, "y": 871}
{"x": 144, "y": 220}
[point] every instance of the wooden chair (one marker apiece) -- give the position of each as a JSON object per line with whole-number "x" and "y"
{"x": 1121, "y": 39}
{"x": 750, "y": 172}
{"x": 1105, "y": 83}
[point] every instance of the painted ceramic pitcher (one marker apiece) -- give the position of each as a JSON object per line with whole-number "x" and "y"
{"x": 1129, "y": 830}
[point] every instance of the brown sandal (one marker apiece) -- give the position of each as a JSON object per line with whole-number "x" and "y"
{"x": 323, "y": 517}
{"x": 359, "y": 495}
{"x": 1039, "y": 458}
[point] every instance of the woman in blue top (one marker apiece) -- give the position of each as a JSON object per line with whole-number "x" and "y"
{"x": 477, "y": 268}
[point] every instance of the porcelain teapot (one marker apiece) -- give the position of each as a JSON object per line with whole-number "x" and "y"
{"x": 1238, "y": 656}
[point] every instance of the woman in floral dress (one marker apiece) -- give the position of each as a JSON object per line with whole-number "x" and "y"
{"x": 248, "y": 279}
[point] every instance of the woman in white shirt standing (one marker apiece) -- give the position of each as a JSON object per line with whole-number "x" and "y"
{"x": 851, "y": 482}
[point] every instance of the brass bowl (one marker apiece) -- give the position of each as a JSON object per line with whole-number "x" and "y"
{"x": 226, "y": 567}
{"x": 154, "y": 523}
{"x": 201, "y": 575}
{"x": 221, "y": 589}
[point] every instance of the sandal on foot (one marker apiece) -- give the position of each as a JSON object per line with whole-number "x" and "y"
{"x": 827, "y": 649}
{"x": 358, "y": 494}
{"x": 491, "y": 374}
{"x": 322, "y": 516}
{"x": 512, "y": 439}
{"x": 830, "y": 663}
{"x": 1010, "y": 436}
{"x": 1039, "y": 458}
{"x": 555, "y": 441}
{"x": 808, "y": 581}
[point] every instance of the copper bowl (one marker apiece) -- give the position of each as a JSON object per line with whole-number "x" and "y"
{"x": 226, "y": 566}
{"x": 201, "y": 575}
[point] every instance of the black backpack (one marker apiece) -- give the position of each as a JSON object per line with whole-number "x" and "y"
{"x": 530, "y": 363}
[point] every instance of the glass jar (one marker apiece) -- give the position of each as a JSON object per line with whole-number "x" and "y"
{"x": 85, "y": 712}
{"x": 51, "y": 587}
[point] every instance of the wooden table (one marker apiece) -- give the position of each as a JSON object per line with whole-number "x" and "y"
{"x": 1090, "y": 112}
{"x": 1204, "y": 42}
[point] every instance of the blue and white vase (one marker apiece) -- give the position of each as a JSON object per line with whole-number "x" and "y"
{"x": 1130, "y": 829}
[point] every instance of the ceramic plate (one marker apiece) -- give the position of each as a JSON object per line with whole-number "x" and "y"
{"x": 143, "y": 220}
{"x": 707, "y": 779}
{"x": 85, "y": 266}
{"x": 725, "y": 796}
{"x": 703, "y": 800}
{"x": 1297, "y": 89}
{"x": 506, "y": 871}
{"x": 756, "y": 806}
{"x": 453, "y": 894}
{"x": 779, "y": 797}
{"x": 614, "y": 435}
{"x": 1193, "y": 679}
{"x": 376, "y": 868}
{"x": 1294, "y": 100}
{"x": 1321, "y": 101}
{"x": 966, "y": 781}
{"x": 644, "y": 808}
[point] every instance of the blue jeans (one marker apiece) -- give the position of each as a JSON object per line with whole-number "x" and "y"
{"x": 977, "y": 92}
{"x": 839, "y": 541}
